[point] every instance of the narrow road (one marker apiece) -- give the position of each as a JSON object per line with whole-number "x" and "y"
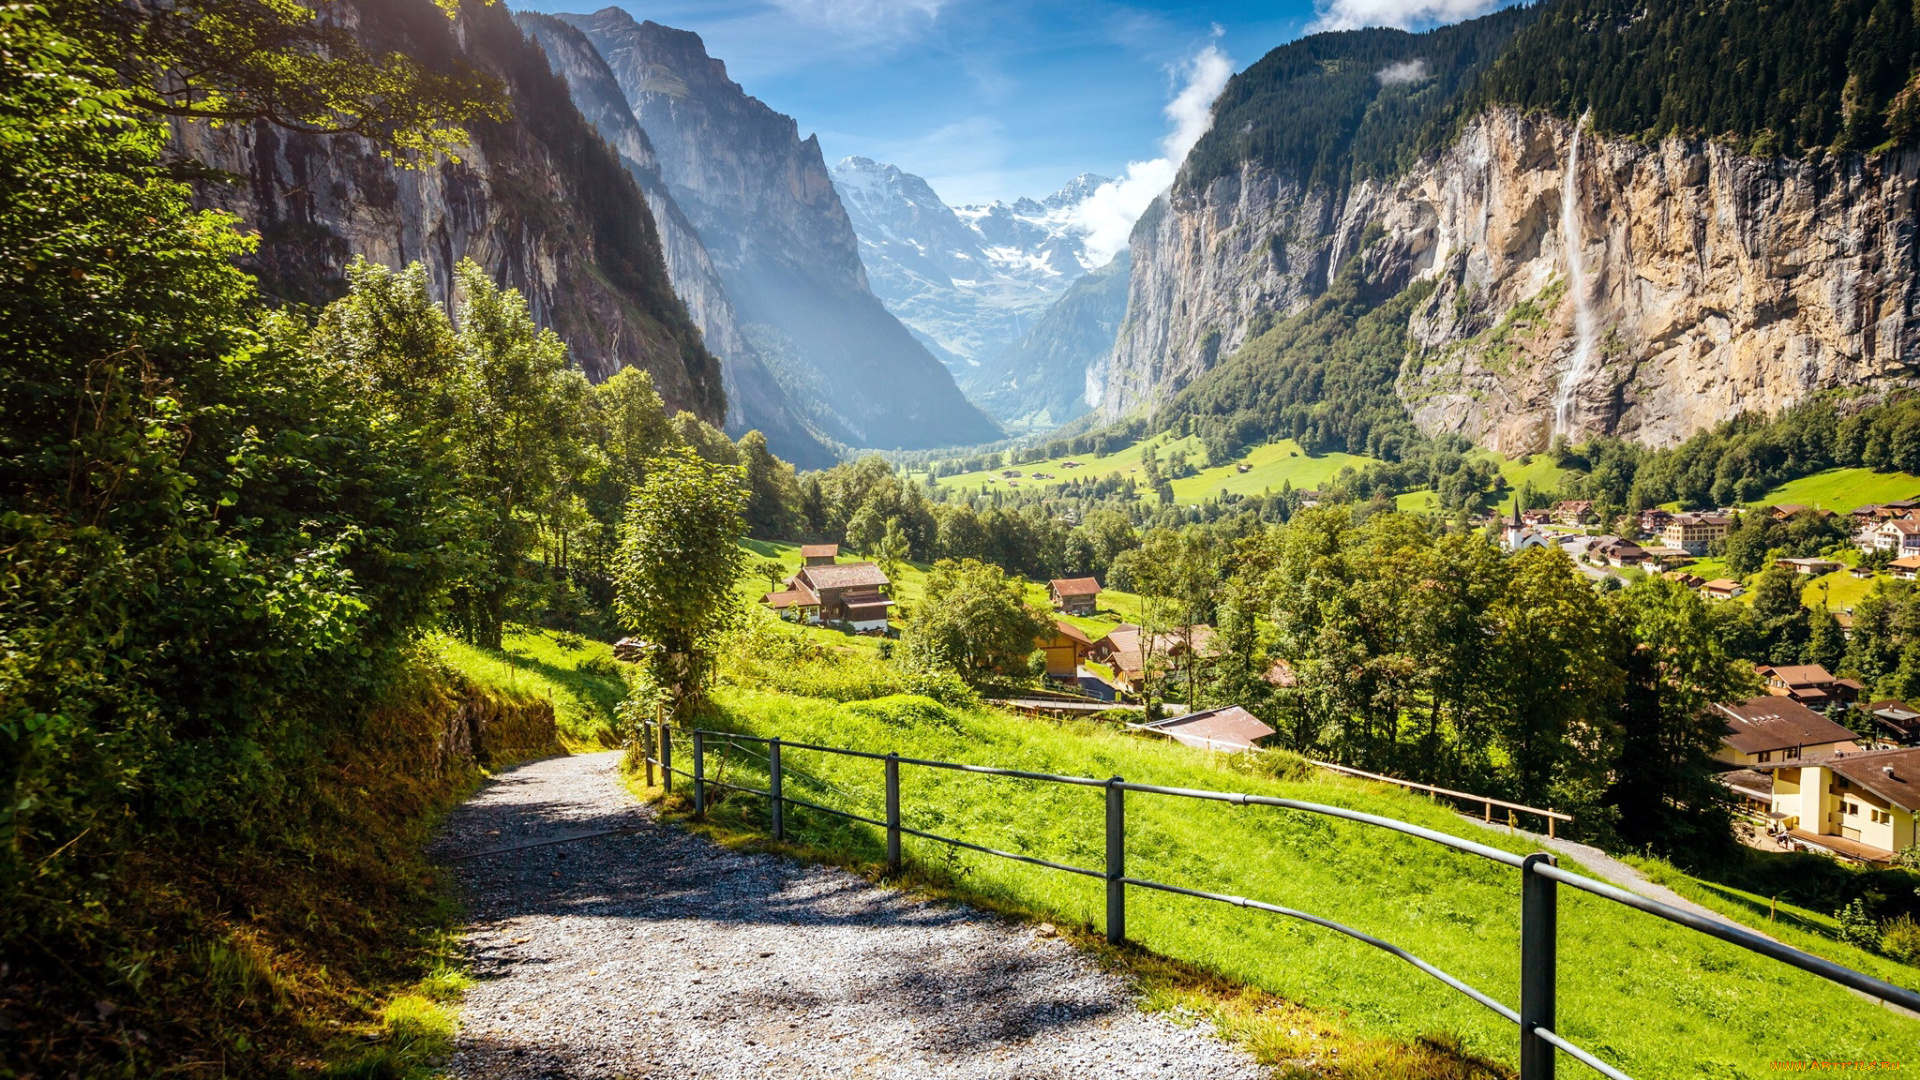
{"x": 654, "y": 953}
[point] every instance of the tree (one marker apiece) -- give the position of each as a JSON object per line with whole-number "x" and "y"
{"x": 631, "y": 425}
{"x": 973, "y": 619}
{"x": 773, "y": 492}
{"x": 891, "y": 550}
{"x": 679, "y": 558}
{"x": 1782, "y": 617}
{"x": 523, "y": 420}
{"x": 1676, "y": 669}
{"x": 773, "y": 570}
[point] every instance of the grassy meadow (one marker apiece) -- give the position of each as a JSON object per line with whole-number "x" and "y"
{"x": 1696, "y": 1005}
{"x": 1271, "y": 466}
{"x": 578, "y": 675}
{"x": 1840, "y": 490}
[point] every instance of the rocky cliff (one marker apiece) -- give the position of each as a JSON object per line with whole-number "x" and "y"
{"x": 540, "y": 200}
{"x": 755, "y": 400}
{"x": 1041, "y": 381}
{"x": 1600, "y": 283}
{"x": 765, "y": 208}
{"x": 1715, "y": 283}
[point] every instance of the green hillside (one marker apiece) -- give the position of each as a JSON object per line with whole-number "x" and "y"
{"x": 1271, "y": 466}
{"x": 1840, "y": 490}
{"x": 1693, "y": 1000}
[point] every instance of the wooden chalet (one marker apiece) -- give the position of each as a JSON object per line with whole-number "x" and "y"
{"x": 1075, "y": 596}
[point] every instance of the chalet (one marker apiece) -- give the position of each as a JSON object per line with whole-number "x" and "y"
{"x": 1197, "y": 641}
{"x": 1120, "y": 650}
{"x": 1694, "y": 532}
{"x": 1813, "y": 567}
{"x": 1653, "y": 521}
{"x": 1860, "y": 807}
{"x": 1537, "y": 517}
{"x": 1231, "y": 729}
{"x": 819, "y": 554}
{"x": 1075, "y": 596}
{"x": 1722, "y": 589}
{"x": 1860, "y": 571}
{"x": 1617, "y": 552}
{"x": 1906, "y": 568}
{"x": 1768, "y": 729}
{"x": 1809, "y": 684}
{"x": 1749, "y": 789}
{"x": 1900, "y": 536}
{"x": 1895, "y": 721}
{"x": 1665, "y": 559}
{"x": 1574, "y": 512}
{"x": 853, "y": 593}
{"x": 1788, "y": 510}
{"x": 1067, "y": 647}
{"x": 1686, "y": 580}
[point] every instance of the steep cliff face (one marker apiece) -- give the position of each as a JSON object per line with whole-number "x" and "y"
{"x": 755, "y": 399}
{"x": 765, "y": 208}
{"x": 1041, "y": 382}
{"x": 540, "y": 201}
{"x": 1587, "y": 263}
{"x": 1714, "y": 283}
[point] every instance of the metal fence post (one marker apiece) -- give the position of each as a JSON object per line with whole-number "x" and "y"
{"x": 1116, "y": 862}
{"x": 699, "y": 774}
{"x": 666, "y": 758}
{"x": 646, "y": 747}
{"x": 893, "y": 812}
{"x": 1539, "y": 944}
{"x": 773, "y": 789}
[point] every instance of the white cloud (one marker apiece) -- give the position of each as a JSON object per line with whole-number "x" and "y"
{"x": 1405, "y": 14}
{"x": 1406, "y": 71}
{"x": 1106, "y": 217}
{"x": 866, "y": 20}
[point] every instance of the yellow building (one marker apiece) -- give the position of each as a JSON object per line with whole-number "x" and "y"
{"x": 1860, "y": 806}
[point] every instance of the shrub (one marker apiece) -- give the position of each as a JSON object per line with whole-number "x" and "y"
{"x": 907, "y": 711}
{"x": 1857, "y": 927}
{"x": 1901, "y": 940}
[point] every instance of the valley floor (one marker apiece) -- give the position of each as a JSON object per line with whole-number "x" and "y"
{"x": 659, "y": 953}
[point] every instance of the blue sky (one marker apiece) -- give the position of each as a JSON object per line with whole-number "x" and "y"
{"x": 994, "y": 98}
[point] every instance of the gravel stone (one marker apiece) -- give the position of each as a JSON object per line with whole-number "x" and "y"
{"x": 657, "y": 953}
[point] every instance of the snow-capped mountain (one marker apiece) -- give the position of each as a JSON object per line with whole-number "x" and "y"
{"x": 969, "y": 281}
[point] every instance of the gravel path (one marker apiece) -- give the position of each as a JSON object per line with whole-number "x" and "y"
{"x": 655, "y": 953}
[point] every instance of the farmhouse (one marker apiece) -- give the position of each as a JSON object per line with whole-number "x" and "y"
{"x": 1722, "y": 589}
{"x": 1857, "y": 806}
{"x": 1814, "y": 567}
{"x": 1900, "y": 536}
{"x": 1769, "y": 729}
{"x": 1809, "y": 684}
{"x": 1906, "y": 568}
{"x": 1075, "y": 596}
{"x": 1067, "y": 647}
{"x": 852, "y": 593}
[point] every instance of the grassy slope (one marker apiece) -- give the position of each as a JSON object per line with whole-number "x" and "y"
{"x": 1539, "y": 470}
{"x": 1274, "y": 464}
{"x": 1840, "y": 490}
{"x": 537, "y": 665}
{"x": 1698, "y": 1003}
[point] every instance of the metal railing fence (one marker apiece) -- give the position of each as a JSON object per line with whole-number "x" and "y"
{"x": 1540, "y": 876}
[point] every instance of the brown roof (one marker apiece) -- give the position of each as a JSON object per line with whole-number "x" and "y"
{"x": 1777, "y": 723}
{"x": 1075, "y": 586}
{"x": 865, "y": 596}
{"x": 1905, "y": 562}
{"x": 1894, "y": 775}
{"x": 1200, "y": 637}
{"x": 1896, "y": 716}
{"x": 1124, "y": 641}
{"x": 1905, "y": 526}
{"x": 843, "y": 576}
{"x": 1747, "y": 781}
{"x": 819, "y": 551}
{"x": 1231, "y": 728}
{"x": 1722, "y": 585}
{"x": 1282, "y": 675}
{"x": 787, "y": 598}
{"x": 1798, "y": 674}
{"x": 1067, "y": 629}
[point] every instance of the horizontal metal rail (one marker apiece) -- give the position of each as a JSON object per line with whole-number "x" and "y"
{"x": 1746, "y": 939}
{"x": 1507, "y": 858}
{"x": 1539, "y": 875}
{"x": 1241, "y": 901}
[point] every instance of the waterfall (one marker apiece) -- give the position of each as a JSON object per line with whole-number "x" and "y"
{"x": 1576, "y": 286}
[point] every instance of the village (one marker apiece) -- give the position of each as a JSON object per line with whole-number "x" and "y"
{"x": 1806, "y": 766}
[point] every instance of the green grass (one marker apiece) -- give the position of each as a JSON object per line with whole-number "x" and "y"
{"x": 1537, "y": 469}
{"x": 579, "y": 676}
{"x": 1652, "y": 998}
{"x": 1273, "y": 465}
{"x": 1841, "y": 490}
{"x": 1840, "y": 590}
